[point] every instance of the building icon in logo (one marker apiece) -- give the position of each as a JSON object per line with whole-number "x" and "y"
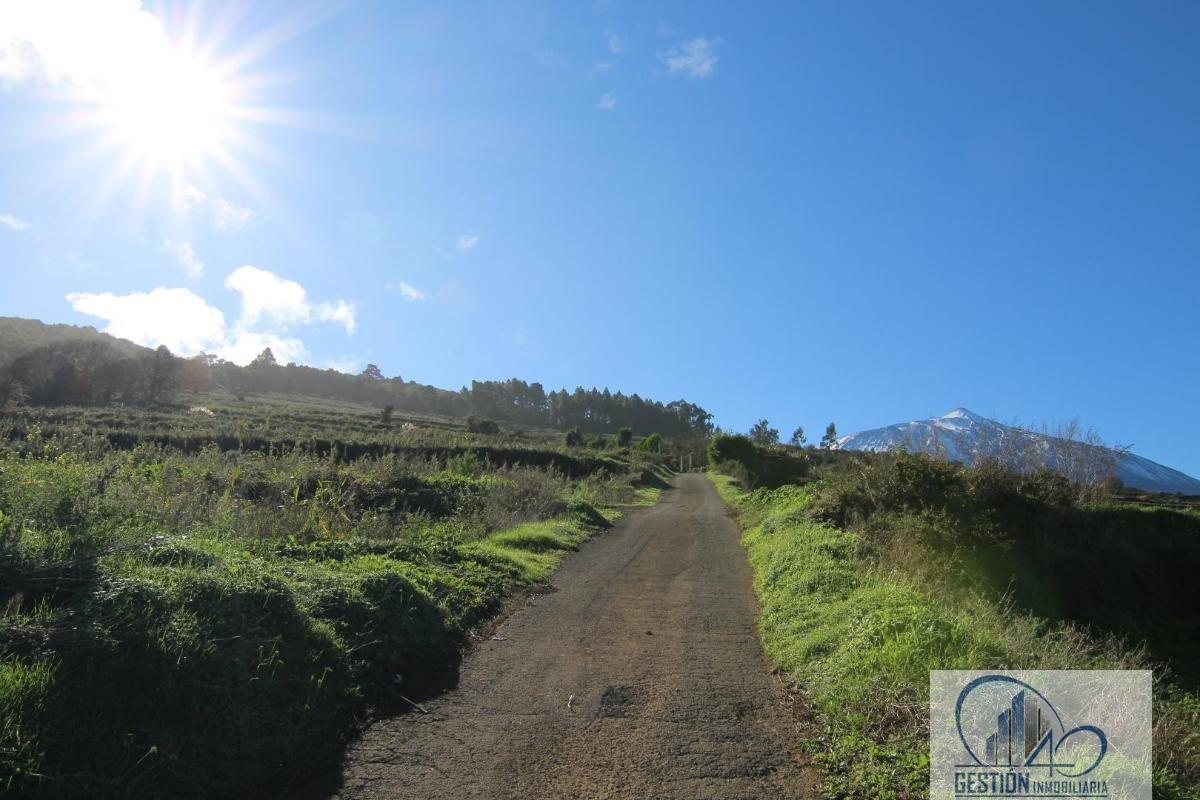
{"x": 1021, "y": 729}
{"x": 1050, "y": 734}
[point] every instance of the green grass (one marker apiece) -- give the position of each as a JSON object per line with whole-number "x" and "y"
{"x": 859, "y": 633}
{"x": 220, "y": 622}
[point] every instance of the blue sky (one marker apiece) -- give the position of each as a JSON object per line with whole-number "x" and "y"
{"x": 806, "y": 212}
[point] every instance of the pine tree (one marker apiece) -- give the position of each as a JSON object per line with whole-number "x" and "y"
{"x": 830, "y": 436}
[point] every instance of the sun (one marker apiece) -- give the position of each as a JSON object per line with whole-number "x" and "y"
{"x": 156, "y": 101}
{"x": 174, "y": 111}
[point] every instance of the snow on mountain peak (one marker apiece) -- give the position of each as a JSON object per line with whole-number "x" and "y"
{"x": 962, "y": 435}
{"x": 962, "y": 413}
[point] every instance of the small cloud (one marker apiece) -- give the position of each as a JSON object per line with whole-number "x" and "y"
{"x": 185, "y": 254}
{"x": 694, "y": 58}
{"x": 187, "y": 197}
{"x": 615, "y": 45}
{"x": 606, "y": 102}
{"x": 467, "y": 242}
{"x": 340, "y": 312}
{"x": 348, "y": 365}
{"x": 228, "y": 215}
{"x": 601, "y": 67}
{"x": 15, "y": 223}
{"x": 243, "y": 346}
{"x": 407, "y": 291}
{"x": 266, "y": 297}
{"x": 224, "y": 213}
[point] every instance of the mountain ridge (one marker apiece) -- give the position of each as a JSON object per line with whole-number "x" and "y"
{"x": 962, "y": 435}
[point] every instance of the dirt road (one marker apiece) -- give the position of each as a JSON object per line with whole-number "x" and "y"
{"x": 638, "y": 676}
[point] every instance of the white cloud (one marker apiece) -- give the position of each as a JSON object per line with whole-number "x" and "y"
{"x": 15, "y": 223}
{"x": 224, "y": 213}
{"x": 615, "y": 45}
{"x": 266, "y": 297}
{"x": 185, "y": 254}
{"x": 178, "y": 318}
{"x": 602, "y": 66}
{"x": 467, "y": 242}
{"x": 340, "y": 312}
{"x": 407, "y": 291}
{"x": 606, "y": 102}
{"x": 187, "y": 197}
{"x": 243, "y": 346}
{"x": 186, "y": 323}
{"x": 695, "y": 58}
{"x": 350, "y": 365}
{"x": 228, "y": 215}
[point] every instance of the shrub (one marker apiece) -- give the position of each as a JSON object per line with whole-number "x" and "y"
{"x": 625, "y": 437}
{"x": 651, "y": 444}
{"x": 725, "y": 447}
{"x": 484, "y": 426}
{"x": 574, "y": 438}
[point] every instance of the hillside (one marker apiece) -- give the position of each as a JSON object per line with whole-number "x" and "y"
{"x": 63, "y": 364}
{"x": 19, "y": 336}
{"x": 968, "y": 437}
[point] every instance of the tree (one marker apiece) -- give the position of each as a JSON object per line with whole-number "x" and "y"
{"x": 725, "y": 447}
{"x": 265, "y": 359}
{"x": 625, "y": 437}
{"x": 798, "y": 438}
{"x": 372, "y": 373}
{"x": 763, "y": 434}
{"x": 651, "y": 444}
{"x": 830, "y": 436}
{"x": 162, "y": 375}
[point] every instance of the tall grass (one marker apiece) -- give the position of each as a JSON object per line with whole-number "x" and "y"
{"x": 860, "y": 613}
{"x": 216, "y": 622}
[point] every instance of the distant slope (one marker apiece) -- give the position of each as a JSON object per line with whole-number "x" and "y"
{"x": 967, "y": 437}
{"x": 65, "y": 364}
{"x": 19, "y": 336}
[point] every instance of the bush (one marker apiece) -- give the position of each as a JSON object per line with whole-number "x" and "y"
{"x": 574, "y": 438}
{"x": 485, "y": 426}
{"x": 726, "y": 447}
{"x": 624, "y": 437}
{"x": 860, "y": 629}
{"x": 651, "y": 444}
{"x": 759, "y": 466}
{"x": 1029, "y": 539}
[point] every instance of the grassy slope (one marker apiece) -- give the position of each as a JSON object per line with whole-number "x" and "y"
{"x": 219, "y": 624}
{"x": 861, "y": 640}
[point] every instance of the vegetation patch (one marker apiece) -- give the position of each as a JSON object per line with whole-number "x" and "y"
{"x": 211, "y": 622}
{"x": 858, "y": 614}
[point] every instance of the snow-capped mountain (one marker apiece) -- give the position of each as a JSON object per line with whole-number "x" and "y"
{"x": 967, "y": 437}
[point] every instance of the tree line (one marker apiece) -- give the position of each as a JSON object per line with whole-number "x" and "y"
{"x": 90, "y": 371}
